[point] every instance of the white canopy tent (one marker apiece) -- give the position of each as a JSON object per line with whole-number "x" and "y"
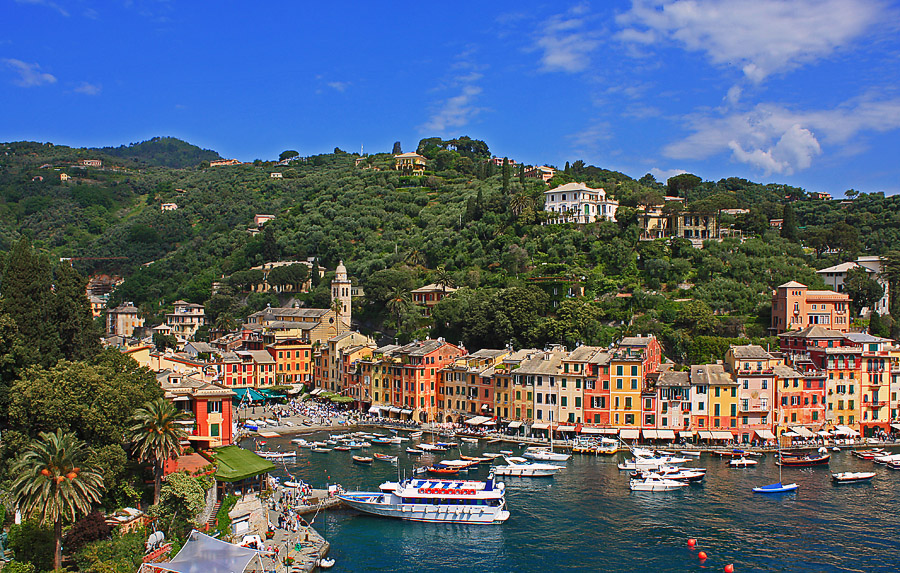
{"x": 204, "y": 554}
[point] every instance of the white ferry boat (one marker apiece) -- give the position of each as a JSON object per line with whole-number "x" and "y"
{"x": 453, "y": 501}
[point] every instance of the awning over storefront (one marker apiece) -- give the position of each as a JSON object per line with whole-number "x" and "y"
{"x": 296, "y": 389}
{"x": 393, "y": 410}
{"x": 650, "y": 434}
{"x": 804, "y": 432}
{"x": 515, "y": 424}
{"x": 722, "y": 436}
{"x": 272, "y": 393}
{"x": 540, "y": 426}
{"x": 316, "y": 391}
{"x": 181, "y": 399}
{"x": 665, "y": 434}
{"x": 234, "y": 463}
{"x": 565, "y": 428}
{"x": 790, "y": 435}
{"x": 705, "y": 434}
{"x": 686, "y": 434}
{"x": 406, "y": 412}
{"x": 629, "y": 434}
{"x": 823, "y": 433}
{"x": 845, "y": 431}
{"x": 375, "y": 410}
{"x": 765, "y": 434}
{"x": 600, "y": 431}
{"x": 477, "y": 420}
{"x": 248, "y": 394}
{"x": 895, "y": 426}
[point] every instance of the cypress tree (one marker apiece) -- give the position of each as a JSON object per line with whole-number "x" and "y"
{"x": 72, "y": 314}
{"x": 505, "y": 175}
{"x": 789, "y": 224}
{"x": 315, "y": 278}
{"x": 28, "y": 299}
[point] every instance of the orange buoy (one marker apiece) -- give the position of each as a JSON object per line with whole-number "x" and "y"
{"x": 702, "y": 556}
{"x": 692, "y": 542}
{"x": 729, "y": 568}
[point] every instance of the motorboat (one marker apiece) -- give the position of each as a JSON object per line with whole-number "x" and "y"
{"x": 492, "y": 455}
{"x": 645, "y": 463}
{"x": 520, "y": 467}
{"x": 675, "y": 473}
{"x": 430, "y": 500}
{"x": 803, "y": 460}
{"x": 342, "y": 448}
{"x": 776, "y": 488}
{"x": 545, "y": 455}
{"x": 505, "y": 452}
{"x": 320, "y": 450}
{"x": 414, "y": 451}
{"x": 431, "y": 448}
{"x": 325, "y": 563}
{"x": 448, "y": 445}
{"x": 886, "y": 458}
{"x": 869, "y": 454}
{"x": 469, "y": 440}
{"x": 399, "y": 439}
{"x": 362, "y": 459}
{"x": 852, "y": 477}
{"x": 475, "y": 459}
{"x": 384, "y": 457}
{"x": 742, "y": 463}
{"x": 276, "y": 455}
{"x": 461, "y": 465}
{"x": 691, "y": 453}
{"x": 442, "y": 470}
{"x": 415, "y": 435}
{"x": 383, "y": 441}
{"x": 654, "y": 482}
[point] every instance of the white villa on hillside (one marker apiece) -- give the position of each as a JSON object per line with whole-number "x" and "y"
{"x": 578, "y": 203}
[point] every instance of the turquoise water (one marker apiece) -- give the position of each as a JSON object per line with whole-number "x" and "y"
{"x": 586, "y": 519}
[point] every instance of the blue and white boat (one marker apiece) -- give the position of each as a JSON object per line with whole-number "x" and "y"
{"x": 776, "y": 488}
{"x": 451, "y": 501}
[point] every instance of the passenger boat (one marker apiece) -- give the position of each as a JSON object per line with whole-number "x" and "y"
{"x": 776, "y": 488}
{"x": 277, "y": 455}
{"x": 520, "y": 467}
{"x": 654, "y": 482}
{"x": 362, "y": 459}
{"x": 452, "y": 501}
{"x": 803, "y": 460}
{"x": 742, "y": 463}
{"x": 851, "y": 477}
{"x": 545, "y": 455}
{"x": 414, "y": 451}
{"x": 384, "y": 457}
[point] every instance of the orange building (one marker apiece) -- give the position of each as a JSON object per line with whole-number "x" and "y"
{"x": 795, "y": 307}
{"x": 293, "y": 361}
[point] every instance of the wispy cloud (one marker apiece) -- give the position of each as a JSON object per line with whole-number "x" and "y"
{"x": 461, "y": 108}
{"x": 663, "y": 175}
{"x": 46, "y": 3}
{"x": 775, "y": 139}
{"x": 338, "y": 86}
{"x": 87, "y": 88}
{"x": 29, "y": 74}
{"x": 762, "y": 37}
{"x": 567, "y": 42}
{"x": 589, "y": 141}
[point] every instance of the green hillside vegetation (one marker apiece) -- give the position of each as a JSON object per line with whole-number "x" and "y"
{"x": 466, "y": 223}
{"x": 163, "y": 152}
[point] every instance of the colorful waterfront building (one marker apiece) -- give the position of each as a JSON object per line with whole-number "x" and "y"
{"x": 293, "y": 361}
{"x": 632, "y": 359}
{"x": 754, "y": 370}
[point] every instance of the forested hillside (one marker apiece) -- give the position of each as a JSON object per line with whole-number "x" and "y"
{"x": 466, "y": 223}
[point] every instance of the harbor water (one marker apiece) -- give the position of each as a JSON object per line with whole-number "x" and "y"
{"x": 586, "y": 519}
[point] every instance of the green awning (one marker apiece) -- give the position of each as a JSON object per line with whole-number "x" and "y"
{"x": 270, "y": 393}
{"x": 254, "y": 394}
{"x": 234, "y": 463}
{"x": 341, "y": 399}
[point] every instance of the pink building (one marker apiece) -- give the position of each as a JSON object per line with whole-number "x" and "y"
{"x": 795, "y": 307}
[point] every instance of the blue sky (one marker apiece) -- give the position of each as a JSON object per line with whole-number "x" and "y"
{"x": 803, "y": 92}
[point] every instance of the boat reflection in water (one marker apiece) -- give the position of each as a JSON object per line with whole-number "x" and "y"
{"x": 435, "y": 500}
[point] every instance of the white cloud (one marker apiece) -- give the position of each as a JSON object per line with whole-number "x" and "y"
{"x": 775, "y": 139}
{"x": 339, "y": 86}
{"x": 46, "y": 3}
{"x": 663, "y": 175}
{"x": 565, "y": 42}
{"x": 761, "y": 37}
{"x": 456, "y": 111}
{"x": 88, "y": 88}
{"x": 734, "y": 95}
{"x": 29, "y": 74}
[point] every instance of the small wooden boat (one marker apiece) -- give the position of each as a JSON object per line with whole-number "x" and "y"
{"x": 342, "y": 448}
{"x": 416, "y": 435}
{"x": 506, "y": 452}
{"x": 776, "y": 488}
{"x": 442, "y": 471}
{"x": 384, "y": 457}
{"x": 742, "y": 463}
{"x": 803, "y": 460}
{"x": 382, "y": 441}
{"x": 362, "y": 460}
{"x": 491, "y": 455}
{"x": 474, "y": 459}
{"x": 320, "y": 450}
{"x": 690, "y": 453}
{"x": 414, "y": 451}
{"x": 851, "y": 477}
{"x": 469, "y": 440}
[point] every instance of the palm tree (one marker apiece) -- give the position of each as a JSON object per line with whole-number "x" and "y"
{"x": 155, "y": 436}
{"x": 443, "y": 279}
{"x": 54, "y": 483}
{"x": 398, "y": 302}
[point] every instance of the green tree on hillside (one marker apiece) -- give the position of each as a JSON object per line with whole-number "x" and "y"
{"x": 789, "y": 224}
{"x": 287, "y": 154}
{"x": 863, "y": 290}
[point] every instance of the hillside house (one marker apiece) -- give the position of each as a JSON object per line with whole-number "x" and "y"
{"x": 578, "y": 203}
{"x": 541, "y": 172}
{"x": 795, "y": 307}
{"x": 410, "y": 163}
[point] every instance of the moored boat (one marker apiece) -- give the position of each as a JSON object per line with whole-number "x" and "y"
{"x": 776, "y": 488}
{"x": 469, "y": 440}
{"x": 803, "y": 460}
{"x": 342, "y": 448}
{"x": 414, "y": 451}
{"x": 320, "y": 450}
{"x": 851, "y": 477}
{"x": 742, "y": 463}
{"x": 384, "y": 457}
{"x": 654, "y": 482}
{"x": 520, "y": 467}
{"x": 545, "y": 454}
{"x": 277, "y": 455}
{"x": 454, "y": 501}
{"x": 362, "y": 459}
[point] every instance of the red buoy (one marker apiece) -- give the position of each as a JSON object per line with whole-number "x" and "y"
{"x": 702, "y": 556}
{"x": 692, "y": 542}
{"x": 729, "y": 568}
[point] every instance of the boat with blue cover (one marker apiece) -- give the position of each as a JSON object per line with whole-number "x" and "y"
{"x": 776, "y": 488}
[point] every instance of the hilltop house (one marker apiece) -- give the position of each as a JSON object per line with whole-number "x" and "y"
{"x": 410, "y": 163}
{"x": 578, "y": 203}
{"x": 794, "y": 307}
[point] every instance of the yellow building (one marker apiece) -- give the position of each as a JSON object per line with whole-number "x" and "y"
{"x": 410, "y": 164}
